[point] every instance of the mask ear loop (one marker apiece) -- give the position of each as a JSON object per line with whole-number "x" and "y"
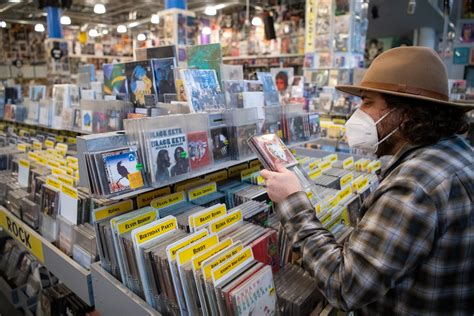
{"x": 375, "y": 146}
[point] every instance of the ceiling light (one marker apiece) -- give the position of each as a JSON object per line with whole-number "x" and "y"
{"x": 99, "y": 8}
{"x": 257, "y": 21}
{"x": 220, "y": 6}
{"x": 39, "y": 27}
{"x": 3, "y": 24}
{"x": 155, "y": 18}
{"x": 133, "y": 24}
{"x": 206, "y": 30}
{"x": 121, "y": 28}
{"x": 93, "y": 33}
{"x": 141, "y": 37}
{"x": 210, "y": 10}
{"x": 14, "y": 1}
{"x": 105, "y": 32}
{"x": 65, "y": 20}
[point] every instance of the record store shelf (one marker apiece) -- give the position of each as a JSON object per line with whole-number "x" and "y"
{"x": 75, "y": 277}
{"x": 52, "y": 128}
{"x": 113, "y": 298}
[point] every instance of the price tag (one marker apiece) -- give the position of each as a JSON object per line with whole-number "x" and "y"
{"x": 136, "y": 180}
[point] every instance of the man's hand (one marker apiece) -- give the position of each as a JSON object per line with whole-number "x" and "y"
{"x": 280, "y": 184}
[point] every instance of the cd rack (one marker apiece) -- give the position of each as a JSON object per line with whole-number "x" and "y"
{"x": 65, "y": 268}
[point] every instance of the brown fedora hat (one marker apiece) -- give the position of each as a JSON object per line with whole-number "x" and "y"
{"x": 412, "y": 72}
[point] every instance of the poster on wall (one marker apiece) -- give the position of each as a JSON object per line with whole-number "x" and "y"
{"x": 461, "y": 55}
{"x": 467, "y": 35}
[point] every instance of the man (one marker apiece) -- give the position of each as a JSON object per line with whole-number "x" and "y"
{"x": 412, "y": 249}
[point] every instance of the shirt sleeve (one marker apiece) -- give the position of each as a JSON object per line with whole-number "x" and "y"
{"x": 396, "y": 231}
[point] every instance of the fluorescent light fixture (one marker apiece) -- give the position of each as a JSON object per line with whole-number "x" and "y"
{"x": 141, "y": 37}
{"x": 105, "y": 32}
{"x": 257, "y": 21}
{"x": 39, "y": 27}
{"x": 155, "y": 18}
{"x": 65, "y": 20}
{"x": 14, "y": 1}
{"x": 133, "y": 24}
{"x": 206, "y": 30}
{"x": 99, "y": 8}
{"x": 93, "y": 33}
{"x": 3, "y": 24}
{"x": 220, "y": 6}
{"x": 210, "y": 10}
{"x": 121, "y": 28}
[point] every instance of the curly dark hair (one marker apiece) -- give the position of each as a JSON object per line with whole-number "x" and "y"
{"x": 427, "y": 122}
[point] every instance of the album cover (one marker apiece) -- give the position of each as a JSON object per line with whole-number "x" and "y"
{"x": 271, "y": 150}
{"x": 203, "y": 90}
{"x": 232, "y": 72}
{"x": 168, "y": 153}
{"x": 198, "y": 149}
{"x": 163, "y": 70}
{"x": 119, "y": 165}
{"x": 100, "y": 122}
{"x": 314, "y": 124}
{"x": 269, "y": 89}
{"x": 37, "y": 93}
{"x": 86, "y": 122}
{"x": 220, "y": 143}
{"x": 140, "y": 81}
{"x": 205, "y": 57}
{"x": 256, "y": 296}
{"x": 115, "y": 81}
{"x": 283, "y": 77}
{"x": 234, "y": 93}
{"x": 265, "y": 249}
{"x": 242, "y": 135}
{"x": 180, "y": 90}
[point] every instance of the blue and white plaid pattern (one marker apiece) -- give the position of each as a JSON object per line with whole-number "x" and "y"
{"x": 412, "y": 250}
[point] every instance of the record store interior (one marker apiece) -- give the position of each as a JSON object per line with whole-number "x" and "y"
{"x": 236, "y": 157}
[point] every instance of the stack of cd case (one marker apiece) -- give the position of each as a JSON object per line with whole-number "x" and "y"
{"x": 84, "y": 249}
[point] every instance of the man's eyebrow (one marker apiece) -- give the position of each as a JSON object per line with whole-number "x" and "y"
{"x": 365, "y": 96}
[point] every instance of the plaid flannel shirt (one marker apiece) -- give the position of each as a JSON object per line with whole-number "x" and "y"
{"x": 412, "y": 250}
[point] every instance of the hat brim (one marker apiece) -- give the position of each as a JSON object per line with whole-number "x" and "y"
{"x": 357, "y": 91}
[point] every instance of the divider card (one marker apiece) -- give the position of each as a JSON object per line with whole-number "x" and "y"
{"x": 68, "y": 199}
{"x": 211, "y": 263}
{"x": 150, "y": 233}
{"x": 198, "y": 277}
{"x": 125, "y": 223}
{"x": 183, "y": 259}
{"x": 23, "y": 172}
{"x": 220, "y": 224}
{"x": 171, "y": 251}
{"x": 201, "y": 191}
{"x": 202, "y": 218}
{"x": 168, "y": 200}
{"x": 228, "y": 268}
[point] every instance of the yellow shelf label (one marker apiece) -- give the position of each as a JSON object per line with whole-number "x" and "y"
{"x": 24, "y": 163}
{"x": 235, "y": 170}
{"x": 57, "y": 171}
{"x": 255, "y": 163}
{"x": 330, "y": 204}
{"x": 64, "y": 178}
{"x": 248, "y": 172}
{"x": 133, "y": 223}
{"x": 167, "y": 200}
{"x": 53, "y": 164}
{"x": 69, "y": 190}
{"x": 339, "y": 121}
{"x": 186, "y": 242}
{"x": 374, "y": 166}
{"x": 220, "y": 259}
{"x": 348, "y": 163}
{"x": 225, "y": 221}
{"x": 146, "y": 198}
{"x": 59, "y": 138}
{"x": 54, "y": 182}
{"x": 344, "y": 193}
{"x": 346, "y": 179}
{"x": 49, "y": 143}
{"x": 72, "y": 160}
{"x": 234, "y": 263}
{"x": 313, "y": 165}
{"x": 21, "y": 147}
{"x": 71, "y": 140}
{"x": 61, "y": 148}
{"x": 22, "y": 233}
{"x": 32, "y": 156}
{"x": 185, "y": 255}
{"x": 198, "y": 260}
{"x": 217, "y": 176}
{"x": 113, "y": 210}
{"x": 315, "y": 173}
{"x": 324, "y": 165}
{"x": 37, "y": 145}
{"x": 161, "y": 227}
{"x": 203, "y": 217}
{"x": 202, "y": 191}
{"x": 331, "y": 158}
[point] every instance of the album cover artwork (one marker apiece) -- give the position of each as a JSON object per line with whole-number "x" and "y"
{"x": 163, "y": 70}
{"x": 86, "y": 122}
{"x": 203, "y": 90}
{"x": 269, "y": 89}
{"x": 271, "y": 150}
{"x": 37, "y": 93}
{"x": 220, "y": 143}
{"x": 119, "y": 165}
{"x": 234, "y": 93}
{"x": 115, "y": 81}
{"x": 100, "y": 122}
{"x": 168, "y": 153}
{"x": 243, "y": 135}
{"x": 140, "y": 81}
{"x": 205, "y": 57}
{"x": 198, "y": 149}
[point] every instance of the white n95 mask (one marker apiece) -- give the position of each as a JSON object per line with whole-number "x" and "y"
{"x": 361, "y": 131}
